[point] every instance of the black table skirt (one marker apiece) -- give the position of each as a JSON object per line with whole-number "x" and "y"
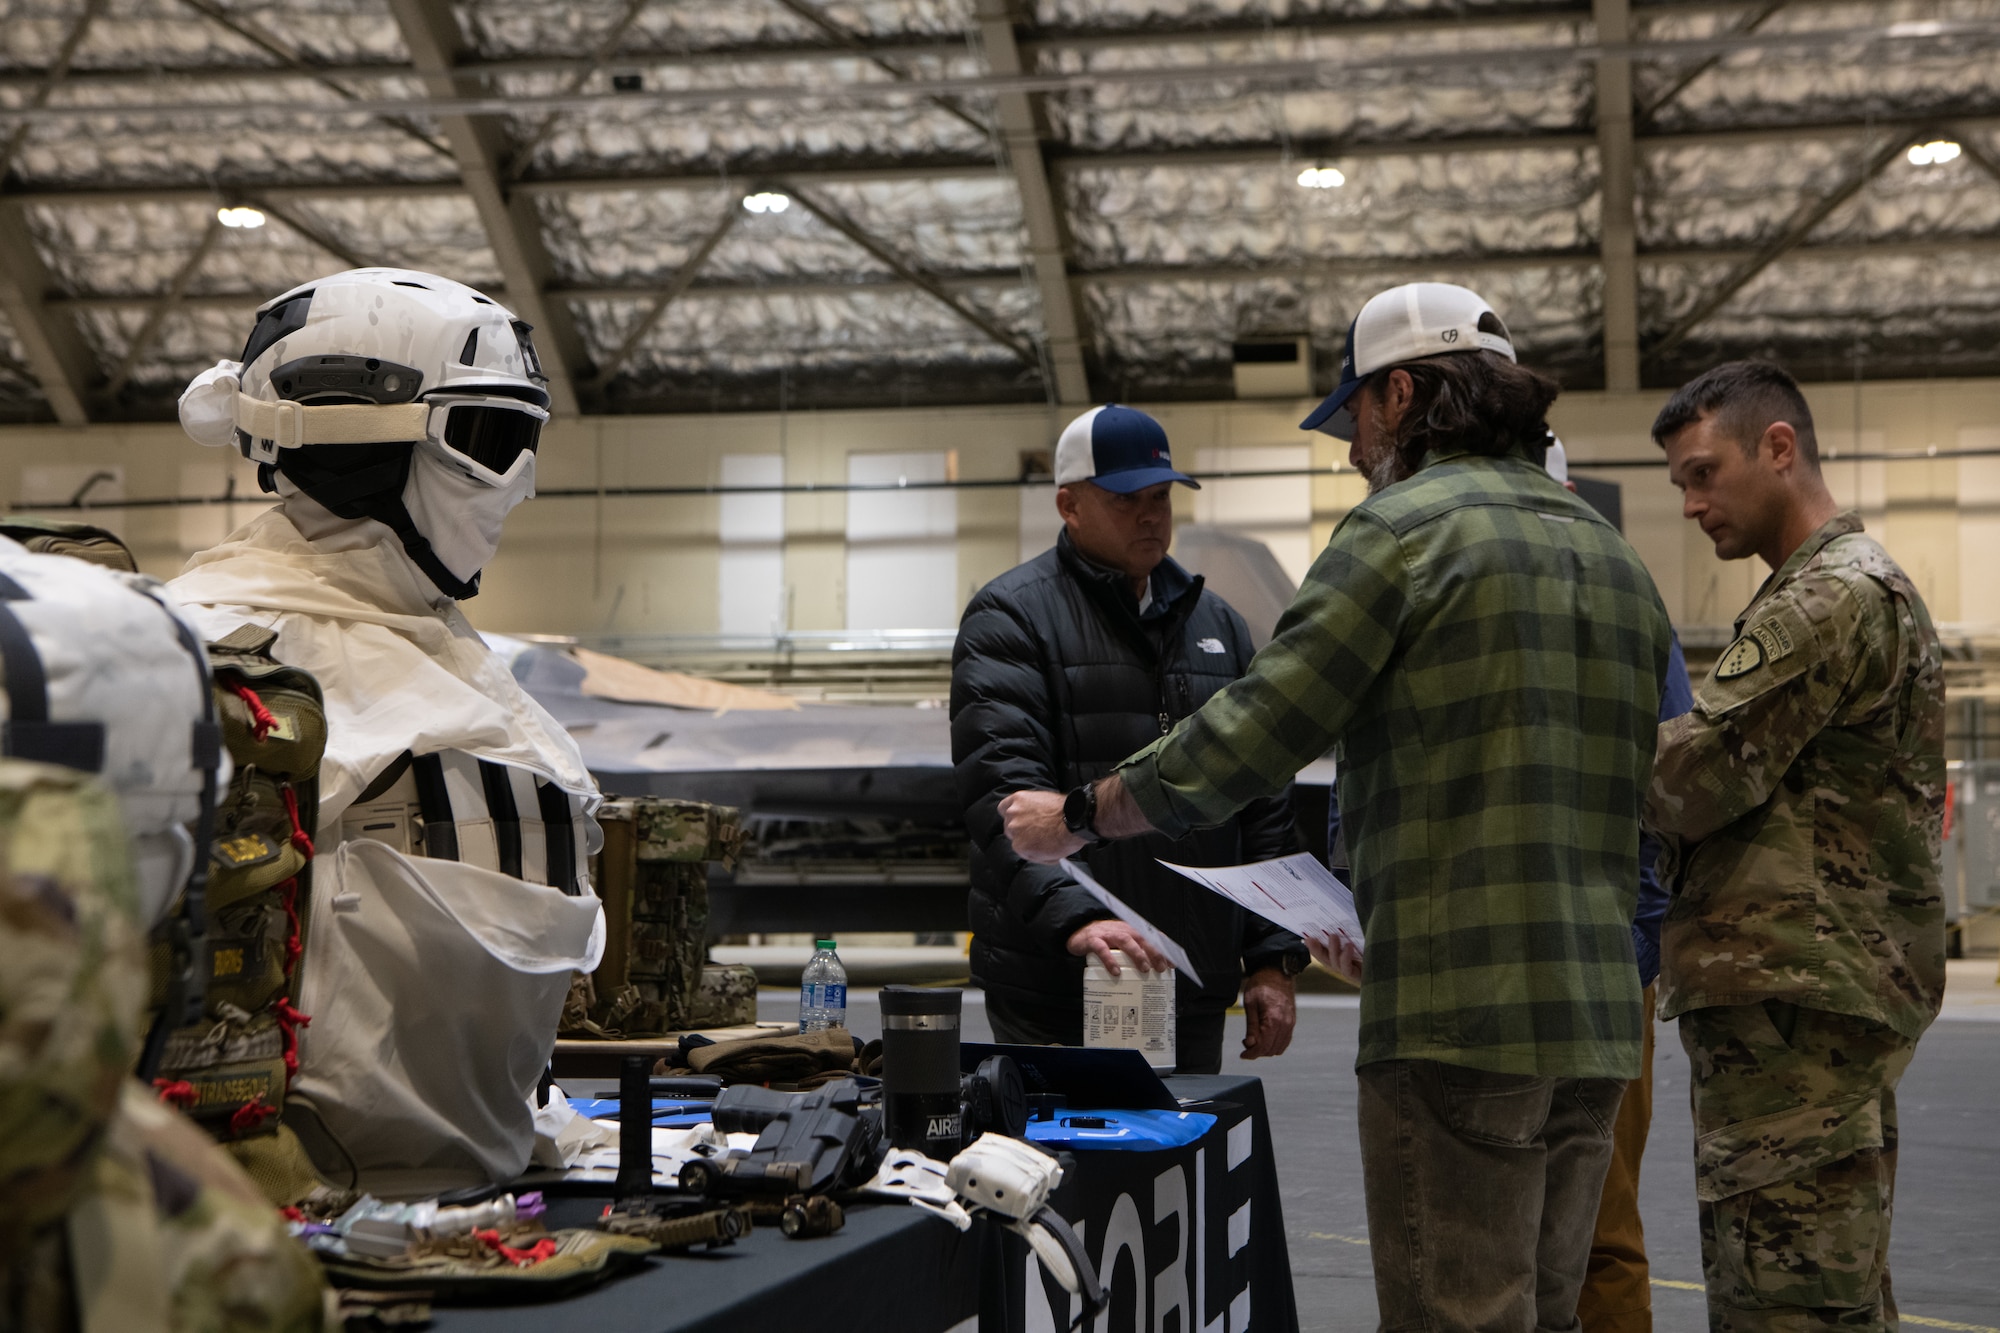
{"x": 1196, "y": 1242}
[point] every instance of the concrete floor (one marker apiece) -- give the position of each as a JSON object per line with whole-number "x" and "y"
{"x": 1948, "y": 1187}
{"x": 1948, "y": 1192}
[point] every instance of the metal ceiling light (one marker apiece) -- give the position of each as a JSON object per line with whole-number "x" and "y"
{"x": 767, "y": 201}
{"x": 1933, "y": 154}
{"x": 1322, "y": 177}
{"x": 239, "y": 217}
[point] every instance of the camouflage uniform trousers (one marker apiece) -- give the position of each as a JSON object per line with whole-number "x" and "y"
{"x": 1795, "y": 1165}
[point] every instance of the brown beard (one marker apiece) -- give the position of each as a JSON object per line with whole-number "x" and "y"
{"x": 1387, "y": 468}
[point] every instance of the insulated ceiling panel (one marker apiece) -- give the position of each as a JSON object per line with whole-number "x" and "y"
{"x": 1139, "y": 178}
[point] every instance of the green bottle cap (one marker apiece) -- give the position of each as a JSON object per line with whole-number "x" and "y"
{"x": 826, "y": 944}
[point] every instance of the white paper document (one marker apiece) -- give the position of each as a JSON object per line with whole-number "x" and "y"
{"x": 1295, "y": 892}
{"x": 1149, "y": 932}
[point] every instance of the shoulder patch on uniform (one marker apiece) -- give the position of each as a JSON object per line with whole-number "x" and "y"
{"x": 1209, "y": 645}
{"x": 1776, "y": 639}
{"x": 1739, "y": 659}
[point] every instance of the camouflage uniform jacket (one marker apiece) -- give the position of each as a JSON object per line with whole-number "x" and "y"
{"x": 1803, "y": 799}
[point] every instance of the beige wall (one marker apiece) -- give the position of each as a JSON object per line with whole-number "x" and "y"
{"x": 649, "y": 564}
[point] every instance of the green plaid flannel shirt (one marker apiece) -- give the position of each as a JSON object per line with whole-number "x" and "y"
{"x": 1486, "y": 655}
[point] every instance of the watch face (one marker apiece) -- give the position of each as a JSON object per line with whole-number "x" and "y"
{"x": 1076, "y": 810}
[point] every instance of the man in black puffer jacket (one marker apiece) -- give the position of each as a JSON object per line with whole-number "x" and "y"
{"x": 1063, "y": 667}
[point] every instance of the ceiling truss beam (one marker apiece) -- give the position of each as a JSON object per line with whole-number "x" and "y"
{"x": 607, "y": 46}
{"x": 910, "y": 273}
{"x": 310, "y": 230}
{"x": 162, "y": 305}
{"x": 59, "y": 359}
{"x": 1750, "y": 23}
{"x": 677, "y": 286}
{"x": 895, "y": 69}
{"x": 47, "y": 81}
{"x": 1048, "y": 240}
{"x": 1808, "y": 216}
{"x": 297, "y": 66}
{"x": 1618, "y": 231}
{"x": 430, "y": 32}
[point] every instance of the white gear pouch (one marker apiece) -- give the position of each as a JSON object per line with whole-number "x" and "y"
{"x": 444, "y": 982}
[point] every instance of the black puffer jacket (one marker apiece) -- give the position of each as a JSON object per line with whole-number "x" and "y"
{"x": 1056, "y": 678}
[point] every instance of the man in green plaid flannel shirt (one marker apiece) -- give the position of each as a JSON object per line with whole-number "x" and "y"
{"x": 1486, "y": 655}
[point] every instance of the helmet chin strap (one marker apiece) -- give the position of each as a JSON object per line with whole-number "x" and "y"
{"x": 375, "y": 490}
{"x": 391, "y": 512}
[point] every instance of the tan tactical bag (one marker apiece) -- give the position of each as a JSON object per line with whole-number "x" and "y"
{"x": 50, "y": 536}
{"x": 653, "y": 878}
{"x": 230, "y": 1070}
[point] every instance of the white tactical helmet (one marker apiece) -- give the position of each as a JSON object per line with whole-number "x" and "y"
{"x": 387, "y": 394}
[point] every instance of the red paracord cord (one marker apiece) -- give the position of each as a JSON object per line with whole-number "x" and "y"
{"x": 251, "y": 1116}
{"x": 261, "y": 720}
{"x": 176, "y": 1092}
{"x": 545, "y": 1248}
{"x": 299, "y": 838}
{"x": 290, "y": 1020}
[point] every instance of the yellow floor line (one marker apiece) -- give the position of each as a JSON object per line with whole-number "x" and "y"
{"x": 1950, "y": 1325}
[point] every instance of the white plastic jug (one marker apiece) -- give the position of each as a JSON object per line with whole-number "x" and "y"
{"x": 1133, "y": 1009}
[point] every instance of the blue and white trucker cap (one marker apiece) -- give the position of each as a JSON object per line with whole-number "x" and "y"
{"x": 1407, "y": 323}
{"x": 1119, "y": 448}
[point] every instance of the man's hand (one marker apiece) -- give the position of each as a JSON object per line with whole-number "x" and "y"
{"x": 1337, "y": 955}
{"x": 1101, "y": 937}
{"x": 1034, "y": 821}
{"x": 1270, "y": 1010}
{"x": 1034, "y": 824}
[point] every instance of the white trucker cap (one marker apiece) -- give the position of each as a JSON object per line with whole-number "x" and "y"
{"x": 1407, "y": 323}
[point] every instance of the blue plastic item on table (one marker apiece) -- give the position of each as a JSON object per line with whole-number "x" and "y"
{"x": 668, "y": 1112}
{"x": 1120, "y": 1131}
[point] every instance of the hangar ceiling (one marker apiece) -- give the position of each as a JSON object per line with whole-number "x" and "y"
{"x": 999, "y": 200}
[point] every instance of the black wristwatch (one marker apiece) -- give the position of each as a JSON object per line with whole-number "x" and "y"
{"x": 1291, "y": 962}
{"x": 1080, "y": 811}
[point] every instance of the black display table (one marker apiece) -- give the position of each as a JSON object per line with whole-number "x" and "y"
{"x": 1190, "y": 1237}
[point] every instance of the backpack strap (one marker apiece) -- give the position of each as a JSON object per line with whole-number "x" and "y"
{"x": 434, "y": 801}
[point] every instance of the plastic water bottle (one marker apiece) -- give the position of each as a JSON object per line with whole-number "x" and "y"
{"x": 823, "y": 991}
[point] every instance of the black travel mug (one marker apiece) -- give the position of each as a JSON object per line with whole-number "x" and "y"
{"x": 920, "y": 1105}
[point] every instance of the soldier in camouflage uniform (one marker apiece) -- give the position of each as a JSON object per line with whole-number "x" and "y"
{"x": 1802, "y": 800}
{"x": 116, "y": 1213}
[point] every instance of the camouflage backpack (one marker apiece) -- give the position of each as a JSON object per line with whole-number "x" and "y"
{"x": 114, "y": 1211}
{"x": 230, "y": 1068}
{"x": 50, "y": 536}
{"x": 653, "y": 878}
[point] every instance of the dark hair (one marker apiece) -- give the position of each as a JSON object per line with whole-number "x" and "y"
{"x": 1746, "y": 398}
{"x": 1477, "y": 401}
